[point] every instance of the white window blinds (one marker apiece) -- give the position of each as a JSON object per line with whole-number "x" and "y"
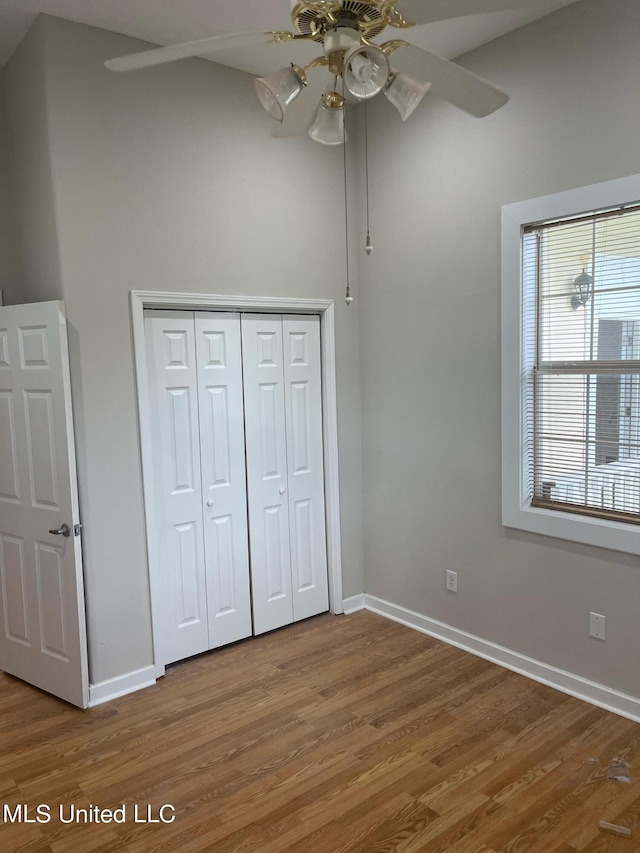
{"x": 581, "y": 328}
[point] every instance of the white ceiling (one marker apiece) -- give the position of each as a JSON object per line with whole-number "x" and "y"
{"x": 166, "y": 22}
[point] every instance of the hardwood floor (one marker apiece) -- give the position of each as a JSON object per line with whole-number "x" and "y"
{"x": 344, "y": 734}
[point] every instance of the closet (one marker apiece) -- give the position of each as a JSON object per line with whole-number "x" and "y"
{"x": 236, "y": 432}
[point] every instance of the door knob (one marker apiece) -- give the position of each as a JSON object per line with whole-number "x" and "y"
{"x": 64, "y": 530}
{"x": 282, "y": 490}
{"x": 210, "y": 502}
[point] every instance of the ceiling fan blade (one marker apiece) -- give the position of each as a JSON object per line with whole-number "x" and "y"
{"x": 201, "y": 47}
{"x": 450, "y": 82}
{"x": 426, "y": 11}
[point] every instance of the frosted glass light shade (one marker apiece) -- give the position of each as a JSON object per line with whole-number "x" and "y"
{"x": 366, "y": 71}
{"x": 328, "y": 128}
{"x": 405, "y": 93}
{"x": 277, "y": 91}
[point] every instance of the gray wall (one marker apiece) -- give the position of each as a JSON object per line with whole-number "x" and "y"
{"x": 10, "y": 272}
{"x": 25, "y": 79}
{"x": 169, "y": 180}
{"x": 10, "y": 279}
{"x": 431, "y": 342}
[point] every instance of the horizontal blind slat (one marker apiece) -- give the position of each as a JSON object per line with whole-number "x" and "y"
{"x": 607, "y": 213}
{"x": 630, "y": 367}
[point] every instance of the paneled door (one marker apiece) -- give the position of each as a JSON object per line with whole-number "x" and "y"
{"x": 171, "y": 353}
{"x": 283, "y": 405}
{"x": 305, "y": 465}
{"x": 221, "y": 419}
{"x": 195, "y": 379}
{"x": 267, "y": 473}
{"x": 42, "y": 617}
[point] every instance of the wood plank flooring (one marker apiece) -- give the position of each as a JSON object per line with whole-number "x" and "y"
{"x": 347, "y": 734}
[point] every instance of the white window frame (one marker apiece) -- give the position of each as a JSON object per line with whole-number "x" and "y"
{"x": 517, "y": 511}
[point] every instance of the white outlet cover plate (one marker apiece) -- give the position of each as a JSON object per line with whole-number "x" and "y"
{"x": 597, "y": 624}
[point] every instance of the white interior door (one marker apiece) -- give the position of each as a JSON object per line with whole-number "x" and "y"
{"x": 303, "y": 411}
{"x": 224, "y": 385}
{"x": 221, "y": 417}
{"x": 43, "y": 632}
{"x": 171, "y": 353}
{"x": 195, "y": 379}
{"x": 267, "y": 477}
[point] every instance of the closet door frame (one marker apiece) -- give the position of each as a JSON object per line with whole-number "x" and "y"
{"x": 141, "y": 300}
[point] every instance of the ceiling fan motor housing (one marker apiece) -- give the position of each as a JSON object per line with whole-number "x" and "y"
{"x": 317, "y": 17}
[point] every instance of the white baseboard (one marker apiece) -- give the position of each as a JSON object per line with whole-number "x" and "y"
{"x": 104, "y": 691}
{"x": 566, "y": 682}
{"x": 355, "y": 602}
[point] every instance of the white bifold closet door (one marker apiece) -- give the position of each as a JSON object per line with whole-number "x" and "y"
{"x": 240, "y": 549}
{"x": 283, "y": 424}
{"x": 195, "y": 377}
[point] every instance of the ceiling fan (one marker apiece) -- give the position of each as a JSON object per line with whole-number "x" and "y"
{"x": 345, "y": 29}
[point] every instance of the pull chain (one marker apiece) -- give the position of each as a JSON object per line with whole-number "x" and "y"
{"x": 348, "y": 297}
{"x": 368, "y": 246}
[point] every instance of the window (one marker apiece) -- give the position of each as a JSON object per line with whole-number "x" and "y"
{"x": 583, "y": 363}
{"x": 571, "y": 365}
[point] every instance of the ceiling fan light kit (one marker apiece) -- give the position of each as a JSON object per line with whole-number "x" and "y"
{"x": 328, "y": 127}
{"x": 405, "y": 93}
{"x": 277, "y": 91}
{"x": 366, "y": 71}
{"x": 345, "y": 29}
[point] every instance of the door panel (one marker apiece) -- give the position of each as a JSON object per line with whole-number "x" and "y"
{"x": 8, "y": 449}
{"x": 14, "y": 589}
{"x": 50, "y": 580}
{"x": 267, "y": 471}
{"x": 303, "y": 548}
{"x": 184, "y": 549}
{"x": 270, "y": 417}
{"x": 214, "y": 406}
{"x": 42, "y": 631}
{"x": 223, "y": 593}
{"x": 38, "y": 409}
{"x": 303, "y": 407}
{"x": 221, "y": 423}
{"x": 171, "y": 353}
{"x": 183, "y": 471}
{"x": 277, "y": 584}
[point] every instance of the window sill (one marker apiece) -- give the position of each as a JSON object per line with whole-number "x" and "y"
{"x": 598, "y": 532}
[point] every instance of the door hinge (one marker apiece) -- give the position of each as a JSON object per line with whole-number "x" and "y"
{"x": 76, "y": 529}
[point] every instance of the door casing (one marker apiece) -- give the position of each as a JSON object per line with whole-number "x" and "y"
{"x": 139, "y": 300}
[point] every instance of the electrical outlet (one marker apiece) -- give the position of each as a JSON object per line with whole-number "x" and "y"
{"x": 597, "y": 626}
{"x": 452, "y": 581}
